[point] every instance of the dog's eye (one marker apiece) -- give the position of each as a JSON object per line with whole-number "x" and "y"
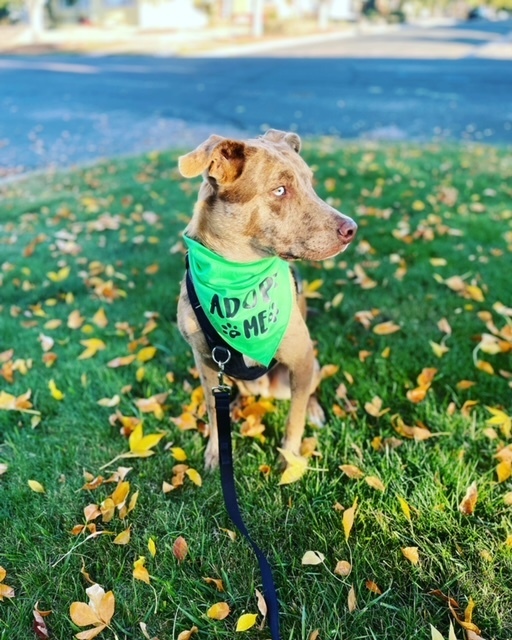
{"x": 279, "y": 192}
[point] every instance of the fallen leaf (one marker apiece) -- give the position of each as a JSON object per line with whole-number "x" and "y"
{"x": 216, "y": 582}
{"x": 375, "y": 483}
{"x": 152, "y": 547}
{"x": 312, "y": 558}
{"x": 187, "y": 635}
{"x": 246, "y": 621}
{"x": 348, "y": 519}
{"x": 352, "y": 471}
{"x": 180, "y": 549}
{"x": 98, "y": 612}
{"x": 352, "y": 600}
{"x": 36, "y": 486}
{"x": 56, "y": 393}
{"x": 343, "y": 568}
{"x": 39, "y": 625}
{"x": 295, "y": 469}
{"x": 467, "y": 506}
{"x": 92, "y": 346}
{"x": 411, "y": 553}
{"x": 194, "y": 476}
{"x": 139, "y": 570}
{"x": 386, "y": 328}
{"x": 405, "y": 508}
{"x": 373, "y": 587}
{"x": 218, "y": 611}
{"x": 123, "y": 537}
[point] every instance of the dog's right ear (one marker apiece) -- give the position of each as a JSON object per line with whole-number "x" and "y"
{"x": 223, "y": 160}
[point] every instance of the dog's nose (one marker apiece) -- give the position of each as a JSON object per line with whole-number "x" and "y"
{"x": 347, "y": 230}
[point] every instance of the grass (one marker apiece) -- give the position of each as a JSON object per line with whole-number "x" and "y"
{"x": 413, "y": 204}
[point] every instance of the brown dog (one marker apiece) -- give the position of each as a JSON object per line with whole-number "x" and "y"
{"x": 257, "y": 202}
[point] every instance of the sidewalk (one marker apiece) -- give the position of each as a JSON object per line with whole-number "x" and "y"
{"x": 222, "y": 41}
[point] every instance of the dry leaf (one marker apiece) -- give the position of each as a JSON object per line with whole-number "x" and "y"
{"x": 373, "y": 587}
{"x": 123, "y": 537}
{"x": 180, "y": 549}
{"x": 405, "y": 507}
{"x": 348, "y": 519}
{"x": 352, "y": 600}
{"x": 343, "y": 568}
{"x": 352, "y": 471}
{"x": 98, "y": 612}
{"x": 411, "y": 553}
{"x": 386, "y": 328}
{"x": 152, "y": 547}
{"x": 467, "y": 506}
{"x": 375, "y": 483}
{"x": 187, "y": 635}
{"x": 312, "y": 558}
{"x": 217, "y": 582}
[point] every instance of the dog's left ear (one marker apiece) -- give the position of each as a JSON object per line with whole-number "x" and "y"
{"x": 291, "y": 139}
{"x": 223, "y": 160}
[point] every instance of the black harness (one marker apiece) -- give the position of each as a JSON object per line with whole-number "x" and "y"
{"x": 234, "y": 362}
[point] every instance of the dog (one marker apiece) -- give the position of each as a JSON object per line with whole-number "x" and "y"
{"x": 256, "y": 207}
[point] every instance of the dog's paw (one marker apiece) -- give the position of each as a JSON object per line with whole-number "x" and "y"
{"x": 211, "y": 455}
{"x": 315, "y": 413}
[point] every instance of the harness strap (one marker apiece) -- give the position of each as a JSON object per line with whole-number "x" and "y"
{"x": 222, "y": 400}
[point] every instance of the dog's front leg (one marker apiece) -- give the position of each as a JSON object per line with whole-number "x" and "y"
{"x": 209, "y": 379}
{"x": 297, "y": 354}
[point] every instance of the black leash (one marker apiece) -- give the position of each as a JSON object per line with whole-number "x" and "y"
{"x": 222, "y": 395}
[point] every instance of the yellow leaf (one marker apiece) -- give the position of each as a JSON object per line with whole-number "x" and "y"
{"x": 52, "y": 324}
{"x": 178, "y": 454}
{"x": 348, "y": 519}
{"x": 56, "y": 393}
{"x": 484, "y": 366}
{"x": 504, "y": 470}
{"x": 139, "y": 570}
{"x": 468, "y": 503}
{"x": 90, "y": 633}
{"x": 139, "y": 443}
{"x": 152, "y": 547}
{"x": 123, "y": 537}
{"x": 83, "y": 615}
{"x": 500, "y": 419}
{"x": 475, "y": 293}
{"x": 140, "y": 374}
{"x": 60, "y": 275}
{"x": 405, "y": 508}
{"x": 218, "y": 611}
{"x": 438, "y": 349}
{"x": 311, "y": 288}
{"x": 146, "y": 354}
{"x": 296, "y": 467}
{"x": 100, "y": 318}
{"x": 194, "y": 476}
{"x": 246, "y": 621}
{"x": 92, "y": 346}
{"x": 6, "y": 591}
{"x": 375, "y": 483}
{"x": 312, "y": 558}
{"x": 411, "y": 553}
{"x": 386, "y": 328}
{"x": 120, "y": 493}
{"x": 36, "y": 486}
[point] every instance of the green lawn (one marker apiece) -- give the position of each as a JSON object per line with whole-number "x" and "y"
{"x": 434, "y": 244}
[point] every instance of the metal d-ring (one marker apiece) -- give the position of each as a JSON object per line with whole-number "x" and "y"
{"x": 221, "y": 363}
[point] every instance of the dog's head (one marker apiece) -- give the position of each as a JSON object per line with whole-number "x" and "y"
{"x": 260, "y": 193}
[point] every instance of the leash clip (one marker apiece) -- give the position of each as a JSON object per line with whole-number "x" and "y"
{"x": 221, "y": 356}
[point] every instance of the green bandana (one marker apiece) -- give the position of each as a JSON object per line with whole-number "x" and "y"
{"x": 248, "y": 303}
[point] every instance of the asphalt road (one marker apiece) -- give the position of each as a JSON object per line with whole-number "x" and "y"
{"x": 411, "y": 84}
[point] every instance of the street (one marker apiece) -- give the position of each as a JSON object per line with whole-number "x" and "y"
{"x": 419, "y": 84}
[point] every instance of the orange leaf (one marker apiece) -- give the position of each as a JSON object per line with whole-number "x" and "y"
{"x": 467, "y": 506}
{"x": 180, "y": 549}
{"x": 386, "y": 328}
{"x": 411, "y": 553}
{"x": 218, "y": 611}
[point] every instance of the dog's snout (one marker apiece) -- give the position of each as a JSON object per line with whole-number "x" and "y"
{"x": 347, "y": 230}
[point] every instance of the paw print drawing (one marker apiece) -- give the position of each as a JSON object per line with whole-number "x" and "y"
{"x": 273, "y": 313}
{"x": 231, "y": 330}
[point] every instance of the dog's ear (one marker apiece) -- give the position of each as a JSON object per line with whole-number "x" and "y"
{"x": 223, "y": 159}
{"x": 292, "y": 139}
